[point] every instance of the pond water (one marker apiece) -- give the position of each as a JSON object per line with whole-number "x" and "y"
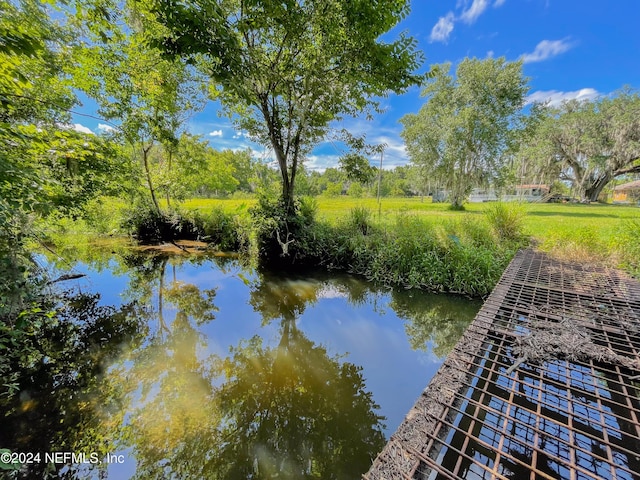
{"x": 188, "y": 366}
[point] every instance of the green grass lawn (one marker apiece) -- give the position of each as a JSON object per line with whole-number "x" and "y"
{"x": 571, "y": 231}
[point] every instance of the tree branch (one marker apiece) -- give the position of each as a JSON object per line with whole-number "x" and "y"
{"x": 633, "y": 169}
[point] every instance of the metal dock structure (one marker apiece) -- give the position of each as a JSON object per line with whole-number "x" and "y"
{"x": 544, "y": 384}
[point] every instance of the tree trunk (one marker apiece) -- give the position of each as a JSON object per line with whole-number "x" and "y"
{"x": 457, "y": 202}
{"x": 161, "y": 323}
{"x": 145, "y": 161}
{"x": 592, "y": 192}
{"x": 287, "y": 194}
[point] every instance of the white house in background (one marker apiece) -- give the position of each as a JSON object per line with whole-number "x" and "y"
{"x": 534, "y": 192}
{"x": 524, "y": 193}
{"x": 479, "y": 195}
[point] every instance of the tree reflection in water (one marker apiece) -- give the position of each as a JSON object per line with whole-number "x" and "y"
{"x": 141, "y": 380}
{"x": 290, "y": 411}
{"x": 59, "y": 396}
{"x": 436, "y": 320}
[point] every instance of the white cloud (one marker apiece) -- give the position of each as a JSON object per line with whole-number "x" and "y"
{"x": 441, "y": 30}
{"x": 81, "y": 128}
{"x": 330, "y": 291}
{"x": 321, "y": 162}
{"x": 476, "y": 9}
{"x": 547, "y": 49}
{"x": 105, "y": 128}
{"x": 215, "y": 133}
{"x": 490, "y": 54}
{"x": 395, "y": 152}
{"x": 554, "y": 98}
{"x": 470, "y": 13}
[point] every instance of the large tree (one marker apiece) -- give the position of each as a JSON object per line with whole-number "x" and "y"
{"x": 149, "y": 97}
{"x": 590, "y": 143}
{"x": 45, "y": 165}
{"x": 285, "y": 69}
{"x": 460, "y": 134}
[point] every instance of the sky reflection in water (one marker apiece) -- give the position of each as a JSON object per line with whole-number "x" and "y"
{"x": 240, "y": 374}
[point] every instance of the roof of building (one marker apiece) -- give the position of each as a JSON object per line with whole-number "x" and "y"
{"x": 628, "y": 186}
{"x": 533, "y": 185}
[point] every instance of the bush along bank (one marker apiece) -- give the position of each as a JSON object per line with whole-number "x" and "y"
{"x": 148, "y": 225}
{"x": 463, "y": 255}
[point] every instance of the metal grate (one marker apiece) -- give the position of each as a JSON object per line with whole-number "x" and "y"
{"x": 545, "y": 384}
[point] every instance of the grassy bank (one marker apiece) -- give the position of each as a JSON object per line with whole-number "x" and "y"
{"x": 570, "y": 231}
{"x": 406, "y": 242}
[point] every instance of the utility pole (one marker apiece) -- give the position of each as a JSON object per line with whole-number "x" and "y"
{"x": 380, "y": 147}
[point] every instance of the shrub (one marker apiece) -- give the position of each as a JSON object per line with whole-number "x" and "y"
{"x": 333, "y": 190}
{"x": 102, "y": 215}
{"x": 282, "y": 235}
{"x": 147, "y": 225}
{"x": 355, "y": 190}
{"x": 218, "y": 228}
{"x": 308, "y": 209}
{"x": 458, "y": 256}
{"x": 506, "y": 219}
{"x": 359, "y": 220}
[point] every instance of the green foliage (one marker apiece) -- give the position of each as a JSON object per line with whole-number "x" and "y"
{"x": 45, "y": 166}
{"x": 357, "y": 168}
{"x": 317, "y": 420}
{"x": 461, "y": 256}
{"x": 355, "y": 190}
{"x": 578, "y": 243}
{"x": 219, "y": 228}
{"x": 278, "y": 232}
{"x": 52, "y": 354}
{"x": 506, "y": 219}
{"x": 193, "y": 168}
{"x": 628, "y": 246}
{"x": 434, "y": 322}
{"x": 308, "y": 208}
{"x": 281, "y": 238}
{"x": 148, "y": 95}
{"x": 284, "y": 72}
{"x": 418, "y": 255}
{"x": 588, "y": 142}
{"x": 103, "y": 214}
{"x": 360, "y": 220}
{"x": 148, "y": 225}
{"x": 460, "y": 135}
{"x": 333, "y": 189}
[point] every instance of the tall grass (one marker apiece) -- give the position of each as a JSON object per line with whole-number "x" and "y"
{"x": 506, "y": 219}
{"x": 628, "y": 246}
{"x": 460, "y": 255}
{"x": 412, "y": 243}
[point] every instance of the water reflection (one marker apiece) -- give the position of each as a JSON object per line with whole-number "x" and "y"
{"x": 206, "y": 388}
{"x": 436, "y": 321}
{"x": 290, "y": 410}
{"x": 60, "y": 396}
{"x": 294, "y": 412}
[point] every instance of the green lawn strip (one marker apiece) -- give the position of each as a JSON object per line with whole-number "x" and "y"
{"x": 547, "y": 223}
{"x": 568, "y": 231}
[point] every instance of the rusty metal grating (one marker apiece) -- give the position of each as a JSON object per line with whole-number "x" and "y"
{"x": 545, "y": 384}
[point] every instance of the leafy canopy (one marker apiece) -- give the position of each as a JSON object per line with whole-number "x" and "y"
{"x": 461, "y": 134}
{"x": 589, "y": 143}
{"x": 286, "y": 69}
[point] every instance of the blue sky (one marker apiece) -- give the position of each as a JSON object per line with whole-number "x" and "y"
{"x": 570, "y": 49}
